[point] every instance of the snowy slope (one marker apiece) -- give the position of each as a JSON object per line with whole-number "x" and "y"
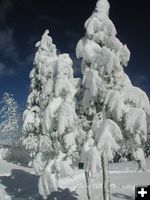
{"x": 20, "y": 183}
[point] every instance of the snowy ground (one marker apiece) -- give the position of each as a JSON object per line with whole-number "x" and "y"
{"x": 20, "y": 183}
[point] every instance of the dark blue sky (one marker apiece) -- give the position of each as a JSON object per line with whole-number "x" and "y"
{"x": 22, "y": 22}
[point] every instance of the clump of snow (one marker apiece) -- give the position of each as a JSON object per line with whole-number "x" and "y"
{"x": 124, "y": 55}
{"x": 140, "y": 157}
{"x": 39, "y": 163}
{"x": 87, "y": 49}
{"x": 115, "y": 105}
{"x": 50, "y": 114}
{"x": 135, "y": 122}
{"x": 70, "y": 142}
{"x": 31, "y": 143}
{"x": 90, "y": 156}
{"x": 64, "y": 74}
{"x": 67, "y": 118}
{"x": 91, "y": 82}
{"x": 31, "y": 119}
{"x": 137, "y": 98}
{"x": 106, "y": 134}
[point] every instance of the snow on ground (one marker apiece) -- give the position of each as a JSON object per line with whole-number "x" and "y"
{"x": 20, "y": 183}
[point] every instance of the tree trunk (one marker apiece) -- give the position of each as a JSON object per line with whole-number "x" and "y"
{"x": 106, "y": 178}
{"x": 140, "y": 166}
{"x": 88, "y": 186}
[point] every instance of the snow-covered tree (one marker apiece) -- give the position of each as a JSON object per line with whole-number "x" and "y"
{"x": 9, "y": 116}
{"x": 99, "y": 147}
{"x": 37, "y": 99}
{"x": 53, "y": 116}
{"x": 106, "y": 86}
{"x": 106, "y": 135}
{"x": 108, "y": 91}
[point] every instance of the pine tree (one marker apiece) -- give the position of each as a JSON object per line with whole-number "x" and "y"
{"x": 37, "y": 99}
{"x": 9, "y": 115}
{"x": 58, "y": 127}
{"x": 108, "y": 91}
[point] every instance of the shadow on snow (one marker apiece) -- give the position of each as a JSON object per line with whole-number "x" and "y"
{"x": 21, "y": 185}
{"x": 122, "y": 196}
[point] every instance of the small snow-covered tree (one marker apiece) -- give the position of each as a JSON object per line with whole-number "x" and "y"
{"x": 58, "y": 127}
{"x": 106, "y": 134}
{"x": 107, "y": 90}
{"x": 99, "y": 147}
{"x": 9, "y": 116}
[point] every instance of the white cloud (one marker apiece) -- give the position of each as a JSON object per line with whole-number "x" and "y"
{"x": 7, "y": 44}
{"x": 5, "y": 71}
{"x": 10, "y": 63}
{"x": 140, "y": 79}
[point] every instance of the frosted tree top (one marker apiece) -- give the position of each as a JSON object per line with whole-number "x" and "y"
{"x": 102, "y": 6}
{"x": 46, "y": 43}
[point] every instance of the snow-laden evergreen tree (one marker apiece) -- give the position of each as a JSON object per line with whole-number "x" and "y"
{"x": 99, "y": 147}
{"x": 9, "y": 116}
{"x": 108, "y": 92}
{"x": 54, "y": 120}
{"x": 106, "y": 86}
{"x": 37, "y": 99}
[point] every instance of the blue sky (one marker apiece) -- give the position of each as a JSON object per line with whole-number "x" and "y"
{"x": 23, "y": 22}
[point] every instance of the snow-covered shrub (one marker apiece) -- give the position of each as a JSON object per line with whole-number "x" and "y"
{"x": 19, "y": 154}
{"x": 4, "y": 153}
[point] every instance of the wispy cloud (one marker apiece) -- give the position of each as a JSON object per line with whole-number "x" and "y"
{"x": 7, "y": 43}
{"x": 5, "y": 71}
{"x": 140, "y": 79}
{"x": 10, "y": 63}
